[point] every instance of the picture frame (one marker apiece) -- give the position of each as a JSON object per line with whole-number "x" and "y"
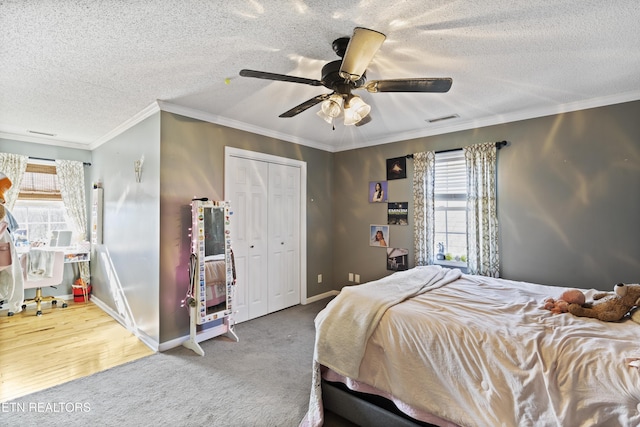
{"x": 397, "y": 168}
{"x": 378, "y": 195}
{"x": 398, "y": 213}
{"x": 379, "y": 235}
{"x": 397, "y": 259}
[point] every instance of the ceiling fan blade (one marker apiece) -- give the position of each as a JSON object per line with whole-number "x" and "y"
{"x": 362, "y": 47}
{"x": 279, "y": 77}
{"x": 410, "y": 85}
{"x": 305, "y": 105}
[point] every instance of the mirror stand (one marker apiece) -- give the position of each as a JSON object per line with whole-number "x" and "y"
{"x": 211, "y": 273}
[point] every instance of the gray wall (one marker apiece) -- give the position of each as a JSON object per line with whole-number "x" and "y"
{"x": 127, "y": 263}
{"x": 192, "y": 165}
{"x": 568, "y": 197}
{"x": 61, "y": 153}
{"x": 568, "y": 204}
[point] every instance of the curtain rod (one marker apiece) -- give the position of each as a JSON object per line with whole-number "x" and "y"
{"x": 53, "y": 160}
{"x": 499, "y": 145}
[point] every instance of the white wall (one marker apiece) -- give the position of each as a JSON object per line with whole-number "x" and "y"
{"x": 127, "y": 263}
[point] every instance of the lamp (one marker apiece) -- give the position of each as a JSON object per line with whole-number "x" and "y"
{"x": 331, "y": 108}
{"x": 355, "y": 109}
{"x": 137, "y": 168}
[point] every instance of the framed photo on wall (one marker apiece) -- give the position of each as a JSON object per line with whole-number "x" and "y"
{"x": 396, "y": 168}
{"x": 379, "y": 235}
{"x": 377, "y": 191}
{"x": 397, "y": 259}
{"x": 398, "y": 213}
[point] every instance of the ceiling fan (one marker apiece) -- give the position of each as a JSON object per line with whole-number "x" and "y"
{"x": 349, "y": 73}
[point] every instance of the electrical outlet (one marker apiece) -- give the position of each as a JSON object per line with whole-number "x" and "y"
{"x": 319, "y": 278}
{"x": 357, "y": 276}
{"x": 351, "y": 277}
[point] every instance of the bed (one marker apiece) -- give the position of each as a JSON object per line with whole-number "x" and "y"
{"x": 450, "y": 349}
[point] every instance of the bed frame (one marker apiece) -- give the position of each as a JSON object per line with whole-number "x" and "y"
{"x": 364, "y": 409}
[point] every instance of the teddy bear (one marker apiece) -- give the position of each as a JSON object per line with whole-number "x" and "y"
{"x": 560, "y": 305}
{"x": 610, "y": 308}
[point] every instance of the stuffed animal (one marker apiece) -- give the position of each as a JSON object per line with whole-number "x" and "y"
{"x": 610, "y": 308}
{"x": 5, "y": 185}
{"x": 560, "y": 305}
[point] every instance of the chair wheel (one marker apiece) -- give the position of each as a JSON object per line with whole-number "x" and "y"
{"x": 24, "y": 306}
{"x": 54, "y": 302}
{"x": 64, "y": 305}
{"x": 38, "y": 313}
{"x": 10, "y": 313}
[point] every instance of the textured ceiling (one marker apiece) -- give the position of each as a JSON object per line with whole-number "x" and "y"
{"x": 82, "y": 70}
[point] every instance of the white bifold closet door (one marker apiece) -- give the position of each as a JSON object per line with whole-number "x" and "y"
{"x": 265, "y": 227}
{"x": 284, "y": 237}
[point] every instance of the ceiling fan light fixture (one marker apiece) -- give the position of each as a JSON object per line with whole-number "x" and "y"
{"x": 325, "y": 117}
{"x": 355, "y": 109}
{"x": 351, "y": 118}
{"x": 332, "y": 107}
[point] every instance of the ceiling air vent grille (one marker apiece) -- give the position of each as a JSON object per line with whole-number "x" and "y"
{"x": 440, "y": 119}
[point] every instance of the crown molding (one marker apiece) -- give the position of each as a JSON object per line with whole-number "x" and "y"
{"x": 43, "y": 140}
{"x": 461, "y": 125}
{"x": 147, "y": 112}
{"x": 223, "y": 121}
{"x": 455, "y": 125}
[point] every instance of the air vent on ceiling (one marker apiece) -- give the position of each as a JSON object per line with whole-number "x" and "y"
{"x": 440, "y": 119}
{"x": 41, "y": 133}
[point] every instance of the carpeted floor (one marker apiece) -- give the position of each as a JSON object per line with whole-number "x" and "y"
{"x": 263, "y": 380}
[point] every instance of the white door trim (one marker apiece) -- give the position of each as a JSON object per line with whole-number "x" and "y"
{"x": 269, "y": 158}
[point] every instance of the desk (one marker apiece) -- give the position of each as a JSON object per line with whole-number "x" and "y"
{"x": 76, "y": 256}
{"x": 72, "y": 254}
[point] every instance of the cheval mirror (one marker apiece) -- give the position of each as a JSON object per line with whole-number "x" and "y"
{"x": 212, "y": 273}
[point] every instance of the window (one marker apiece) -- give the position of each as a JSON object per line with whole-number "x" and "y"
{"x": 39, "y": 209}
{"x": 450, "y": 194}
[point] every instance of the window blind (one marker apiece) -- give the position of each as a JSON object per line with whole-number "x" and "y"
{"x": 39, "y": 182}
{"x": 450, "y": 175}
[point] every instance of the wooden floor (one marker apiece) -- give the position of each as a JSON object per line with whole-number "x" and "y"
{"x": 38, "y": 352}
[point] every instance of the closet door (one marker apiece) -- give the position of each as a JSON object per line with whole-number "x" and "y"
{"x": 249, "y": 204}
{"x": 284, "y": 236}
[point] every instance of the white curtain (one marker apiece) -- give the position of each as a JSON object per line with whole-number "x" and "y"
{"x": 423, "y": 206}
{"x": 71, "y": 181}
{"x": 482, "y": 217}
{"x": 13, "y": 166}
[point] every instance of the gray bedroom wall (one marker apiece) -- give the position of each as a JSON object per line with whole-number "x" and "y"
{"x": 193, "y": 166}
{"x": 125, "y": 268}
{"x": 568, "y": 197}
{"x": 62, "y": 153}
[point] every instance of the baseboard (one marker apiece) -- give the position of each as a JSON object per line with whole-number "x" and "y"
{"x": 142, "y": 336}
{"x": 176, "y": 342}
{"x": 202, "y": 335}
{"x": 320, "y": 296}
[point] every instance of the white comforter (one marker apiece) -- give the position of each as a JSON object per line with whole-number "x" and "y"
{"x": 482, "y": 352}
{"x": 349, "y": 326}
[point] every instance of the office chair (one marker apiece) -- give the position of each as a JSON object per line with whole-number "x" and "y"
{"x": 54, "y": 280}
